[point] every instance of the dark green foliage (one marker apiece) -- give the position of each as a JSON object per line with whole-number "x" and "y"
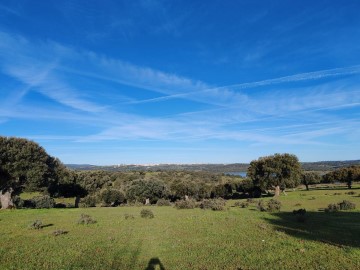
{"x": 185, "y": 204}
{"x": 213, "y": 204}
{"x": 140, "y": 190}
{"x": 310, "y": 178}
{"x": 36, "y": 225}
{"x": 18, "y": 202}
{"x": 146, "y": 213}
{"x": 112, "y": 197}
{"x": 279, "y": 170}
{"x": 45, "y": 201}
{"x": 346, "y": 205}
{"x": 88, "y": 201}
{"x": 86, "y": 219}
{"x": 346, "y": 175}
{"x": 163, "y": 202}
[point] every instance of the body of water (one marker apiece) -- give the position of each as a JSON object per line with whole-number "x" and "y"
{"x": 242, "y": 174}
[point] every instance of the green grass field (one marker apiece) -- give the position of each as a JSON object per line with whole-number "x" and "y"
{"x": 239, "y": 238}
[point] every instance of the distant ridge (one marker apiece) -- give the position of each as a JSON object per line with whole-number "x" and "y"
{"x": 220, "y": 168}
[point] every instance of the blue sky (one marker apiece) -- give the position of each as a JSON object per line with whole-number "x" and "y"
{"x": 151, "y": 81}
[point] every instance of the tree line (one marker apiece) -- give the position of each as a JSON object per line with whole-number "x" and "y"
{"x": 25, "y": 166}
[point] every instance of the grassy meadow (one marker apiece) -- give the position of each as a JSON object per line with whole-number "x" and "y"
{"x": 238, "y": 238}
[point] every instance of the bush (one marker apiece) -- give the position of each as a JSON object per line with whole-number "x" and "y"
{"x": 45, "y": 201}
{"x": 273, "y": 205}
{"x": 261, "y": 206}
{"x": 185, "y": 204}
{"x": 250, "y": 200}
{"x": 163, "y": 202}
{"x": 36, "y": 225}
{"x": 350, "y": 193}
{"x": 59, "y": 232}
{"x": 213, "y": 204}
{"x": 88, "y": 201}
{"x": 18, "y": 202}
{"x": 86, "y": 219}
{"x": 146, "y": 213}
{"x": 129, "y": 216}
{"x": 346, "y": 205}
{"x": 242, "y": 204}
{"x": 112, "y": 197}
{"x": 332, "y": 207}
{"x": 60, "y": 205}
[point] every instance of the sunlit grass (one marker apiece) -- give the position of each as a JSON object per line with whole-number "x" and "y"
{"x": 239, "y": 238}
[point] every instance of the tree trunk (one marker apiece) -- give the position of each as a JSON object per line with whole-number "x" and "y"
{"x": 349, "y": 185}
{"x": 277, "y": 191}
{"x": 147, "y": 201}
{"x": 6, "y": 200}
{"x": 186, "y": 197}
{"x": 77, "y": 201}
{"x": 307, "y": 187}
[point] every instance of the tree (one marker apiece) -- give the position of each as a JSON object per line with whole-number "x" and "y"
{"x": 276, "y": 171}
{"x": 112, "y": 197}
{"x": 140, "y": 190}
{"x": 346, "y": 175}
{"x": 310, "y": 178}
{"x": 24, "y": 165}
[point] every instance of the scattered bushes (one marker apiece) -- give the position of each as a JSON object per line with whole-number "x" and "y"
{"x": 272, "y": 205}
{"x": 213, "y": 204}
{"x": 86, "y": 219}
{"x": 146, "y": 213}
{"x": 344, "y": 205}
{"x": 350, "y": 193}
{"x": 36, "y": 225}
{"x": 163, "y": 202}
{"x": 185, "y": 204}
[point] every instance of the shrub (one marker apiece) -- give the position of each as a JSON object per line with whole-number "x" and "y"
{"x": 129, "y": 216}
{"x": 242, "y": 204}
{"x": 346, "y": 205}
{"x": 86, "y": 219}
{"x": 43, "y": 202}
{"x": 250, "y": 200}
{"x": 163, "y": 202}
{"x": 36, "y": 225}
{"x": 350, "y": 193}
{"x": 18, "y": 202}
{"x": 88, "y": 201}
{"x": 261, "y": 206}
{"x": 185, "y": 204}
{"x": 112, "y": 197}
{"x": 146, "y": 213}
{"x": 213, "y": 204}
{"x": 332, "y": 207}
{"x": 273, "y": 205}
{"x": 59, "y": 232}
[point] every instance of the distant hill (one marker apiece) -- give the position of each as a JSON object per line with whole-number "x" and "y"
{"x": 220, "y": 168}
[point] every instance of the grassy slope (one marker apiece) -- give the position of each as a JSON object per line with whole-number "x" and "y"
{"x": 187, "y": 239}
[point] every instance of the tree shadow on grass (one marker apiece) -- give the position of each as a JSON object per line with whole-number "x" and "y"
{"x": 338, "y": 229}
{"x": 155, "y": 263}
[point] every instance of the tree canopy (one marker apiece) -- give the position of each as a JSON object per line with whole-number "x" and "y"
{"x": 276, "y": 171}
